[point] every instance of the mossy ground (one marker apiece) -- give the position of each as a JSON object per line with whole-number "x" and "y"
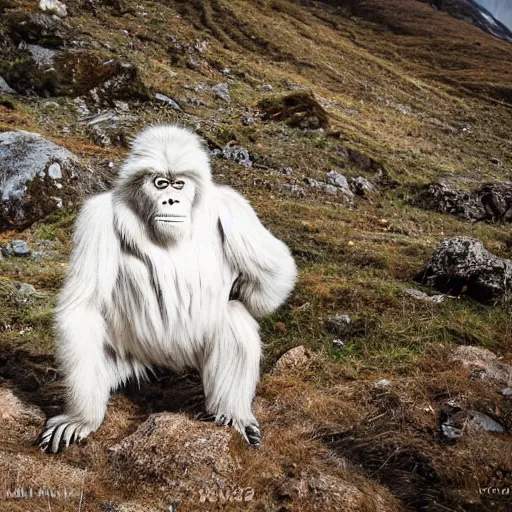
{"x": 425, "y": 96}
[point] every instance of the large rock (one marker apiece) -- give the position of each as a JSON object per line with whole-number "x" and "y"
{"x": 36, "y": 28}
{"x": 483, "y": 364}
{"x": 179, "y": 452}
{"x": 36, "y": 178}
{"x": 75, "y": 73}
{"x": 462, "y": 265}
{"x": 491, "y": 202}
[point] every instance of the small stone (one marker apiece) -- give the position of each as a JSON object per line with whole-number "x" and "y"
{"x": 419, "y": 295}
{"x": 351, "y": 244}
{"x": 330, "y": 189}
{"x": 450, "y": 433}
{"x": 221, "y": 91}
{"x": 295, "y": 357}
{"x": 507, "y": 392}
{"x": 25, "y": 290}
{"x": 4, "y": 87}
{"x": 286, "y": 171}
{"x": 265, "y": 88}
{"x": 482, "y": 421}
{"x": 54, "y": 171}
{"x": 383, "y": 383}
{"x": 168, "y": 101}
{"x": 383, "y": 222}
{"x": 20, "y": 248}
{"x": 339, "y": 325}
{"x": 313, "y": 183}
{"x": 248, "y": 121}
{"x": 343, "y": 319}
{"x": 338, "y": 343}
{"x": 53, "y": 7}
{"x": 7, "y": 251}
{"x": 292, "y": 187}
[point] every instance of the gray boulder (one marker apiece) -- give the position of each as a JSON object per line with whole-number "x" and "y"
{"x": 462, "y": 265}
{"x": 221, "y": 91}
{"x": 333, "y": 185}
{"x": 20, "y": 248}
{"x": 483, "y": 364}
{"x": 36, "y": 177}
{"x": 337, "y": 179}
{"x": 491, "y": 202}
{"x": 238, "y": 154}
{"x": 362, "y": 187}
{"x": 5, "y": 88}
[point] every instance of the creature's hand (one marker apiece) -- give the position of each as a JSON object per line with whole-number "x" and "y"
{"x": 64, "y": 429}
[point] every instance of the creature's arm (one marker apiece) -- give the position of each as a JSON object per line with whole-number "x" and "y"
{"x": 80, "y": 325}
{"x": 267, "y": 271}
{"x": 95, "y": 257}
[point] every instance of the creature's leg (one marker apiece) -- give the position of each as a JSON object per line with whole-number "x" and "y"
{"x": 231, "y": 372}
{"x": 90, "y": 372}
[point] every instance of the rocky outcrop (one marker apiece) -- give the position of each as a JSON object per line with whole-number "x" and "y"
{"x": 462, "y": 265}
{"x": 299, "y": 109}
{"x": 187, "y": 455}
{"x": 36, "y": 178}
{"x": 491, "y": 202}
{"x": 42, "y": 57}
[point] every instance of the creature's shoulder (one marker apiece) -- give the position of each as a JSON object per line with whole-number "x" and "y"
{"x": 235, "y": 212}
{"x": 96, "y": 216}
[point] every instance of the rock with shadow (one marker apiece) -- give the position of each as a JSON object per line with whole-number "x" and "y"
{"x": 463, "y": 266}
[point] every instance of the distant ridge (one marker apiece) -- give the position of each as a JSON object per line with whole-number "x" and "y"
{"x": 473, "y": 12}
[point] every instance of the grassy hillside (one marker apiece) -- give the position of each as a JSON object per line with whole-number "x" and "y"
{"x": 419, "y": 96}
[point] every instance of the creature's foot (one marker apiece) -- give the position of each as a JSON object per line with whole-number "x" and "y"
{"x": 253, "y": 434}
{"x": 249, "y": 428}
{"x": 62, "y": 429}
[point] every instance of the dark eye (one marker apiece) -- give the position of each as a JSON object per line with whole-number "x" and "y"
{"x": 178, "y": 185}
{"x": 161, "y": 183}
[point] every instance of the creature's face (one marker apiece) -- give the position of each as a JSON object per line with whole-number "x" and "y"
{"x": 164, "y": 181}
{"x": 167, "y": 205}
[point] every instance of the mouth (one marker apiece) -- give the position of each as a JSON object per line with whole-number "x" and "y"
{"x": 167, "y": 217}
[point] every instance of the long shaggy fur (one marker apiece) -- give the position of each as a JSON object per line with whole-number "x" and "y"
{"x": 142, "y": 293}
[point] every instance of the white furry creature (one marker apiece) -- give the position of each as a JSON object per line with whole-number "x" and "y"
{"x": 53, "y": 7}
{"x": 167, "y": 269}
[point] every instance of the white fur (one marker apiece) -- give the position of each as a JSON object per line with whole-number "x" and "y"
{"x": 168, "y": 303}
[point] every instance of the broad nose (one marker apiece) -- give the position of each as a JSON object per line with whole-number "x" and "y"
{"x": 171, "y": 201}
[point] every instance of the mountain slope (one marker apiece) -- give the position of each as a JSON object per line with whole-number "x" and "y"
{"x": 411, "y": 96}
